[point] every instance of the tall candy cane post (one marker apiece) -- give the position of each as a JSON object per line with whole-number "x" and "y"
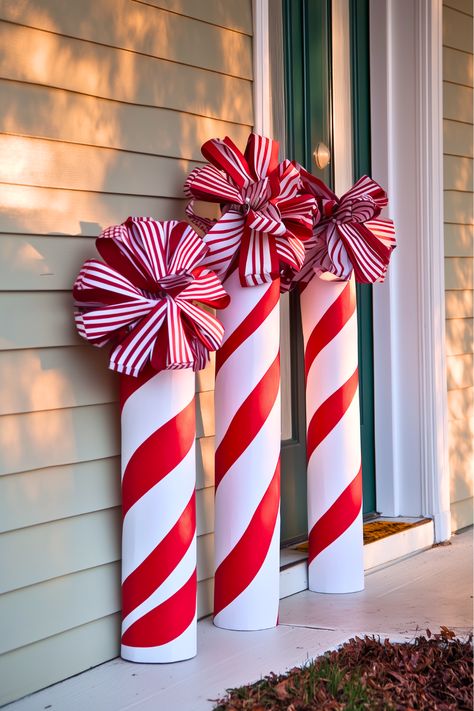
{"x": 142, "y": 299}
{"x": 329, "y": 318}
{"x": 263, "y": 218}
{"x": 349, "y": 243}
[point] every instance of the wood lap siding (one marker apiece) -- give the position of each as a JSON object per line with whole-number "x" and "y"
{"x": 105, "y": 104}
{"x": 458, "y": 95}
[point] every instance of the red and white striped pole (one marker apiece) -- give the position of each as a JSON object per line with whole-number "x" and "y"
{"x": 159, "y": 582}
{"x": 248, "y": 432}
{"x": 329, "y": 317}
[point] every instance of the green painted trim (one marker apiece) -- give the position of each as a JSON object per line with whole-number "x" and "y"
{"x": 307, "y": 33}
{"x": 360, "y": 70}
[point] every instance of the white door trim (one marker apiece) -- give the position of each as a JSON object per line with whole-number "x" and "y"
{"x": 262, "y": 114}
{"x": 409, "y": 338}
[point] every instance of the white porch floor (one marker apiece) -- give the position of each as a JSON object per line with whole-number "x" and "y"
{"x": 430, "y": 589}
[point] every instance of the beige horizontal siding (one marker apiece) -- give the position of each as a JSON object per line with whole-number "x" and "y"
{"x": 459, "y": 304}
{"x": 458, "y": 241}
{"x": 458, "y": 208}
{"x": 44, "y": 210}
{"x": 41, "y": 111}
{"x": 60, "y": 547}
{"x": 458, "y": 138}
{"x": 465, "y": 6}
{"x": 106, "y": 105}
{"x": 458, "y": 173}
{"x": 54, "y": 658}
{"x": 224, "y": 13}
{"x": 75, "y": 434}
{"x": 458, "y": 132}
{"x": 140, "y": 28}
{"x": 459, "y": 336}
{"x": 460, "y": 370}
{"x": 50, "y": 164}
{"x": 458, "y": 67}
{"x": 461, "y": 514}
{"x": 458, "y": 102}
{"x": 58, "y": 492}
{"x": 48, "y": 59}
{"x": 55, "y": 378}
{"x": 54, "y": 606}
{"x": 459, "y": 273}
{"x": 457, "y": 30}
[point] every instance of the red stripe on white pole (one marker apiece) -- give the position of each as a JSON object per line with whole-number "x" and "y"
{"x": 159, "y": 582}
{"x": 329, "y": 316}
{"x": 248, "y": 432}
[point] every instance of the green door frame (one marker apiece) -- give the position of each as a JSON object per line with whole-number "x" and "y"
{"x": 308, "y": 113}
{"x": 361, "y": 138}
{"x": 308, "y": 52}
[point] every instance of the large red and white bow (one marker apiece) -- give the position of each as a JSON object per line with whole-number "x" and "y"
{"x": 141, "y": 299}
{"x": 349, "y": 234}
{"x": 265, "y": 214}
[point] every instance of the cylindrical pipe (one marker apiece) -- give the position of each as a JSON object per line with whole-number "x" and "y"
{"x": 329, "y": 317}
{"x": 159, "y": 581}
{"x": 248, "y": 433}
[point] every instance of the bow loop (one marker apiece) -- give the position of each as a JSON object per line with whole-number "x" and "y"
{"x": 263, "y": 226}
{"x": 347, "y": 234}
{"x": 143, "y": 301}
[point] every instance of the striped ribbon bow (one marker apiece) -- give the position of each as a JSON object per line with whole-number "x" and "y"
{"x": 141, "y": 299}
{"x": 348, "y": 235}
{"x": 265, "y": 214}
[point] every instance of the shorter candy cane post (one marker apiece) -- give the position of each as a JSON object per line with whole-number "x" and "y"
{"x": 159, "y": 582}
{"x": 248, "y": 434}
{"x": 329, "y": 318}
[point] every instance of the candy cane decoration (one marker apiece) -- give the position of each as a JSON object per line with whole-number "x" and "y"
{"x": 329, "y": 318}
{"x": 142, "y": 300}
{"x": 159, "y": 583}
{"x": 247, "y": 401}
{"x": 350, "y": 242}
{"x": 263, "y": 222}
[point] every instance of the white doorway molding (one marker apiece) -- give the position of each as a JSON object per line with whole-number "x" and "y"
{"x": 409, "y": 339}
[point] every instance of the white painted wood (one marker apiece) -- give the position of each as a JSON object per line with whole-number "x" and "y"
{"x": 411, "y": 455}
{"x": 261, "y": 69}
{"x": 398, "y": 602}
{"x": 389, "y": 549}
{"x": 52, "y": 60}
{"x": 342, "y": 105}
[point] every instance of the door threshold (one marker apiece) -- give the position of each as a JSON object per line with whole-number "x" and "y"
{"x": 400, "y": 538}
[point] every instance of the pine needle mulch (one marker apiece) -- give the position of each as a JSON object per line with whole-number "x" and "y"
{"x": 432, "y": 673}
